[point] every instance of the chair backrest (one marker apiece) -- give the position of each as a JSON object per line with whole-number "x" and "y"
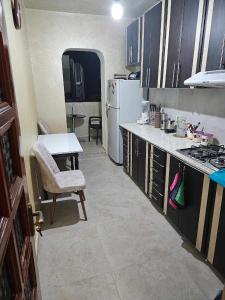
{"x": 43, "y": 127}
{"x": 95, "y": 120}
{"x": 48, "y": 167}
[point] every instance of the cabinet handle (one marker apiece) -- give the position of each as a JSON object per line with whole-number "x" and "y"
{"x": 222, "y": 63}
{"x": 174, "y": 67}
{"x": 137, "y": 147}
{"x": 159, "y": 164}
{"x": 149, "y": 76}
{"x": 161, "y": 195}
{"x": 146, "y": 81}
{"x": 178, "y": 74}
{"x": 131, "y": 54}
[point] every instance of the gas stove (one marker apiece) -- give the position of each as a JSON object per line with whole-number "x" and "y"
{"x": 212, "y": 156}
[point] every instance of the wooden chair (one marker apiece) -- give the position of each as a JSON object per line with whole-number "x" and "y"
{"x": 96, "y": 124}
{"x": 56, "y": 182}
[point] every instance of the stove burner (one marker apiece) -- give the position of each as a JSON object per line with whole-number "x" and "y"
{"x": 213, "y": 155}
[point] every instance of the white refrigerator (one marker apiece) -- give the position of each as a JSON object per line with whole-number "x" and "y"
{"x": 124, "y": 106}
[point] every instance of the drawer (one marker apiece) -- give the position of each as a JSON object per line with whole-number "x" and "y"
{"x": 159, "y": 156}
{"x": 158, "y": 185}
{"x": 158, "y": 171}
{"x": 157, "y": 197}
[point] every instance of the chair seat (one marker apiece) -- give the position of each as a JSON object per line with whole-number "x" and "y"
{"x": 70, "y": 181}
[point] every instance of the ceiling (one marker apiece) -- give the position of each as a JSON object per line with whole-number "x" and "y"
{"x": 132, "y": 8}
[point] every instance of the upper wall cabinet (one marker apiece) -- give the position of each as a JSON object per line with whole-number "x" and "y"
{"x": 214, "y": 44}
{"x": 151, "y": 47}
{"x": 134, "y": 43}
{"x": 184, "y": 24}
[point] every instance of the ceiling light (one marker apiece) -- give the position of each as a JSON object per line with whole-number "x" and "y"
{"x": 117, "y": 10}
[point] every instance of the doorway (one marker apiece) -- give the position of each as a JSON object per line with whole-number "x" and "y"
{"x": 82, "y": 89}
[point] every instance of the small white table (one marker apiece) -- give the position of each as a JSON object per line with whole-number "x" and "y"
{"x": 62, "y": 145}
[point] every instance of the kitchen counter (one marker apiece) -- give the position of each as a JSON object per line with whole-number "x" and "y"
{"x": 168, "y": 142}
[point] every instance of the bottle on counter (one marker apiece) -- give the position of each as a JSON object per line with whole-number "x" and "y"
{"x": 157, "y": 120}
{"x": 163, "y": 119}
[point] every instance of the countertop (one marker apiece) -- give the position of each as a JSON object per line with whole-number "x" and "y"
{"x": 168, "y": 142}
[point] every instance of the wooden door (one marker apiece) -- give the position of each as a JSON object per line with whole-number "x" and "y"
{"x": 216, "y": 50}
{"x": 190, "y": 18}
{"x": 18, "y": 274}
{"x": 175, "y": 39}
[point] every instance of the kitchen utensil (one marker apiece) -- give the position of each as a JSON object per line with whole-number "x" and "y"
{"x": 157, "y": 119}
{"x": 181, "y": 126}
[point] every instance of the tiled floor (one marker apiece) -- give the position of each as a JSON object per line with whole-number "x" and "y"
{"x": 125, "y": 251}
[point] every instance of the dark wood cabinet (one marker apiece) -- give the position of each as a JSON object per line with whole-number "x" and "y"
{"x": 216, "y": 50}
{"x": 186, "y": 219}
{"x": 138, "y": 161}
{"x": 181, "y": 42}
{"x": 216, "y": 248}
{"x": 126, "y": 155}
{"x": 151, "y": 46}
{"x": 133, "y": 43}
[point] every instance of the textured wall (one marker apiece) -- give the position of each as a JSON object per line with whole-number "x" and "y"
{"x": 204, "y": 105}
{"x": 49, "y": 35}
{"x": 23, "y": 84}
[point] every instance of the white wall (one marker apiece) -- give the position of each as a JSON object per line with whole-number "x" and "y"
{"x": 49, "y": 35}
{"x": 23, "y": 84}
{"x": 197, "y": 105}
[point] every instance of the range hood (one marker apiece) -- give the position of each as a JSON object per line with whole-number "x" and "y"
{"x": 214, "y": 79}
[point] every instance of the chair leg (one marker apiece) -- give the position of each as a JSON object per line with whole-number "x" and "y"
{"x": 53, "y": 208}
{"x": 82, "y": 199}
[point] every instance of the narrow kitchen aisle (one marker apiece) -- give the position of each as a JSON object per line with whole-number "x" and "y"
{"x": 126, "y": 250}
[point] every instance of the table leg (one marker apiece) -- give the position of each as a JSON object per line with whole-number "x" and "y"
{"x": 77, "y": 161}
{"x": 72, "y": 162}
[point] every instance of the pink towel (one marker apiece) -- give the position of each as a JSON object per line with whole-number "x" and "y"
{"x": 175, "y": 181}
{"x": 172, "y": 204}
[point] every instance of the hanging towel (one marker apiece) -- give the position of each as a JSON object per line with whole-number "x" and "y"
{"x": 171, "y": 203}
{"x": 177, "y": 190}
{"x": 175, "y": 181}
{"x": 180, "y": 195}
{"x": 218, "y": 177}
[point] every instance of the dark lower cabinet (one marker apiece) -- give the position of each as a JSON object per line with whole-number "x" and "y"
{"x": 138, "y": 161}
{"x": 219, "y": 255}
{"x": 125, "y": 150}
{"x": 186, "y": 219}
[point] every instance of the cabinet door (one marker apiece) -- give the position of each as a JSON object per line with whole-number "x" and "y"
{"x": 190, "y": 17}
{"x": 219, "y": 261}
{"x": 216, "y": 51}
{"x": 133, "y": 43}
{"x": 125, "y": 150}
{"x": 141, "y": 152}
{"x": 175, "y": 38}
{"x": 189, "y": 216}
{"x": 186, "y": 219}
{"x": 135, "y": 158}
{"x": 152, "y": 31}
